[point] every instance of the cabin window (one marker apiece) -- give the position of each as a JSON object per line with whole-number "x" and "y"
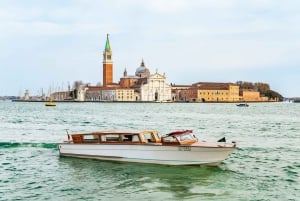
{"x": 127, "y": 138}
{"x": 135, "y": 138}
{"x": 157, "y": 135}
{"x": 110, "y": 138}
{"x": 148, "y": 137}
{"x": 186, "y": 137}
{"x": 90, "y": 138}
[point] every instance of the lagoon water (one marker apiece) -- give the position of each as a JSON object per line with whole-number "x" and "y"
{"x": 266, "y": 166}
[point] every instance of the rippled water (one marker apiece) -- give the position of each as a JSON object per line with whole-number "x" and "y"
{"x": 266, "y": 165}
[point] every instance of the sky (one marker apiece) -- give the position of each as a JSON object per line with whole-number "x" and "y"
{"x": 47, "y": 45}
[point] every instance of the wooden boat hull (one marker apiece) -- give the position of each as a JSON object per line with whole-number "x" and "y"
{"x": 150, "y": 153}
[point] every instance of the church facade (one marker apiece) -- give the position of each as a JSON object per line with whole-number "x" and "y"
{"x": 156, "y": 89}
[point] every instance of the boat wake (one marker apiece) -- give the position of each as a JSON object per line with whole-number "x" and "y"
{"x": 7, "y": 145}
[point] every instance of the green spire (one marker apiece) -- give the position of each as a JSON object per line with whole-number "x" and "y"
{"x": 107, "y": 45}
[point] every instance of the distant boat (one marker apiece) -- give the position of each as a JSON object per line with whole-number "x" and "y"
{"x": 50, "y": 103}
{"x": 242, "y": 105}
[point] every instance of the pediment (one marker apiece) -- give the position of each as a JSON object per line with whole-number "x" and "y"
{"x": 156, "y": 76}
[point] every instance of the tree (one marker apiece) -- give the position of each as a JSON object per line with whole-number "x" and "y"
{"x": 263, "y": 88}
{"x": 274, "y": 95}
{"x": 245, "y": 85}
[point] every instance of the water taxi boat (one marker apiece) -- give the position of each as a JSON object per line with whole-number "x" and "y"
{"x": 50, "y": 103}
{"x": 242, "y": 105}
{"x": 175, "y": 148}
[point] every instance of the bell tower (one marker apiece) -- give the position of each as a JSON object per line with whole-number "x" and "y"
{"x": 107, "y": 64}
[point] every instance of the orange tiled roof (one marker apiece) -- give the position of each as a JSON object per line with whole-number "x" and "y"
{"x": 213, "y": 85}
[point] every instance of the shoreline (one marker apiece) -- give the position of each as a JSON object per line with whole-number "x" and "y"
{"x": 73, "y": 101}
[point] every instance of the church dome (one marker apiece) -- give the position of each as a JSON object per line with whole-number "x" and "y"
{"x": 142, "y": 71}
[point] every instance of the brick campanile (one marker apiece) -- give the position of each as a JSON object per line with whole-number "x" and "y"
{"x": 107, "y": 64}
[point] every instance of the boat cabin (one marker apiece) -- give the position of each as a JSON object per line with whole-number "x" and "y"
{"x": 142, "y": 137}
{"x": 184, "y": 137}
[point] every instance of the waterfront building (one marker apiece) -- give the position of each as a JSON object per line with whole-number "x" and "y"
{"x": 179, "y": 92}
{"x": 250, "y": 95}
{"x": 100, "y": 93}
{"x": 144, "y": 86}
{"x": 108, "y": 94}
{"x": 81, "y": 91}
{"x": 62, "y": 95}
{"x": 213, "y": 92}
{"x": 125, "y": 94}
{"x": 93, "y": 93}
{"x": 26, "y": 95}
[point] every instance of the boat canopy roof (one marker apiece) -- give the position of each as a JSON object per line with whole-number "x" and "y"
{"x": 120, "y": 132}
{"x": 179, "y": 133}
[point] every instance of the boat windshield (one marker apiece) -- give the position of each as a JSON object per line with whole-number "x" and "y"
{"x": 187, "y": 136}
{"x": 180, "y": 137}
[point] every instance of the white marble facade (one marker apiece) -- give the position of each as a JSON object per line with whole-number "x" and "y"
{"x": 156, "y": 89}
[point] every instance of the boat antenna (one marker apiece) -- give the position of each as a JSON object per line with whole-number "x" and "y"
{"x": 67, "y": 131}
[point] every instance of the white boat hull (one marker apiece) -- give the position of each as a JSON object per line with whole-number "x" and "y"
{"x": 150, "y": 153}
